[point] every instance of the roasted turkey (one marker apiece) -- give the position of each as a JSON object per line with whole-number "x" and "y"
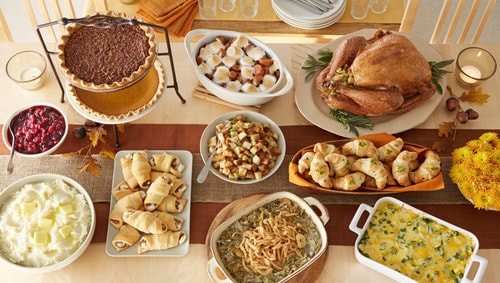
{"x": 382, "y": 75}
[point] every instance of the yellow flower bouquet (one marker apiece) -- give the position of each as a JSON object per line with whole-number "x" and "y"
{"x": 476, "y": 170}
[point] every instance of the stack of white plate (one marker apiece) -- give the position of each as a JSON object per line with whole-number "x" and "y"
{"x": 295, "y": 14}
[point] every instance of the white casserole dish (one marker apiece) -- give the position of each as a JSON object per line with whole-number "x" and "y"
{"x": 307, "y": 203}
{"x": 364, "y": 209}
{"x": 239, "y": 98}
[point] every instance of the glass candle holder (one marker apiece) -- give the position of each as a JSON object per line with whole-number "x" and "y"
{"x": 474, "y": 66}
{"x": 27, "y": 69}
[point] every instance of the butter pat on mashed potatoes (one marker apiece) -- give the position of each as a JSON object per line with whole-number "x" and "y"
{"x": 43, "y": 223}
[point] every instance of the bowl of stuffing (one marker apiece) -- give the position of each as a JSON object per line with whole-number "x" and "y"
{"x": 249, "y": 147}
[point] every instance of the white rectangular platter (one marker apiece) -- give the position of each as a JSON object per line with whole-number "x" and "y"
{"x": 186, "y": 158}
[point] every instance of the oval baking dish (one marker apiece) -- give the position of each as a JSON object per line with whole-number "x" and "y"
{"x": 236, "y": 97}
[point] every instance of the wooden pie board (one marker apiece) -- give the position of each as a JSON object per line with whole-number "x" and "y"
{"x": 310, "y": 274}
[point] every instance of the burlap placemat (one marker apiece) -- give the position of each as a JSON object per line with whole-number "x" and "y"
{"x": 98, "y": 187}
{"x": 214, "y": 189}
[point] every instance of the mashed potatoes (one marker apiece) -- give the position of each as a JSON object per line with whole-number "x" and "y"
{"x": 43, "y": 223}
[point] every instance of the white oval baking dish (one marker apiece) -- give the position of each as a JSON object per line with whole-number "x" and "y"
{"x": 238, "y": 98}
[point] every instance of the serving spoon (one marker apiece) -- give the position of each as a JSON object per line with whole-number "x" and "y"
{"x": 10, "y": 164}
{"x": 204, "y": 171}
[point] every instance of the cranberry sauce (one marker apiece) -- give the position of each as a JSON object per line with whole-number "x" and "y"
{"x": 37, "y": 129}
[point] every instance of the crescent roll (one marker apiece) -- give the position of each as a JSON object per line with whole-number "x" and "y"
{"x": 349, "y": 182}
{"x": 174, "y": 223}
{"x": 125, "y": 238}
{"x": 320, "y": 171}
{"x": 157, "y": 191}
{"x": 429, "y": 169}
{"x": 178, "y": 188}
{"x": 141, "y": 169}
{"x": 132, "y": 201}
{"x": 305, "y": 161}
{"x": 360, "y": 147}
{"x": 325, "y": 148}
{"x": 389, "y": 151}
{"x": 339, "y": 163}
{"x": 172, "y": 204}
{"x": 144, "y": 221}
{"x": 373, "y": 168}
{"x": 401, "y": 167}
{"x": 156, "y": 174}
{"x": 122, "y": 190}
{"x": 163, "y": 241}
{"x": 126, "y": 163}
{"x": 168, "y": 163}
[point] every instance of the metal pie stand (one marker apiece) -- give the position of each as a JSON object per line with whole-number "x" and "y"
{"x": 106, "y": 21}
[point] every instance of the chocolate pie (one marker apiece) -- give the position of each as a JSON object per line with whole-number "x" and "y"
{"x": 106, "y": 58}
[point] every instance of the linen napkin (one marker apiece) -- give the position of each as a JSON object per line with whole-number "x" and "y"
{"x": 294, "y": 177}
{"x": 176, "y": 15}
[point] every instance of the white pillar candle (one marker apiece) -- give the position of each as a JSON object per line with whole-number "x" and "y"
{"x": 31, "y": 77}
{"x": 471, "y": 71}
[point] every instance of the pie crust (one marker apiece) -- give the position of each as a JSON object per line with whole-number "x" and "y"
{"x": 119, "y": 51}
{"x": 121, "y": 104}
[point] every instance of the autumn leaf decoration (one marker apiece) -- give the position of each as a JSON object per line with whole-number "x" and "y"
{"x": 97, "y": 136}
{"x": 447, "y": 130}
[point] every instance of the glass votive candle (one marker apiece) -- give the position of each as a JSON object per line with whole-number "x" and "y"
{"x": 474, "y": 65}
{"x": 27, "y": 69}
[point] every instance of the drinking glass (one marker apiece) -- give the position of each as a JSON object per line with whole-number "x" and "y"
{"x": 207, "y": 9}
{"x": 27, "y": 69}
{"x": 227, "y": 5}
{"x": 379, "y": 6}
{"x": 249, "y": 8}
{"x": 359, "y": 9}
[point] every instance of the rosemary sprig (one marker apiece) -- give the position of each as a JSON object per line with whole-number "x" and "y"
{"x": 351, "y": 121}
{"x": 438, "y": 71}
{"x": 313, "y": 65}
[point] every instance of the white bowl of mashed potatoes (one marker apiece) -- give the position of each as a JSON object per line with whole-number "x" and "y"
{"x": 46, "y": 222}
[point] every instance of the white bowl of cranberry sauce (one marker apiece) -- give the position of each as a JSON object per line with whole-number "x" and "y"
{"x": 39, "y": 129}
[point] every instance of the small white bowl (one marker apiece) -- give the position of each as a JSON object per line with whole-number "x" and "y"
{"x": 7, "y": 139}
{"x": 252, "y": 116}
{"x": 234, "y": 97}
{"x": 16, "y": 186}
